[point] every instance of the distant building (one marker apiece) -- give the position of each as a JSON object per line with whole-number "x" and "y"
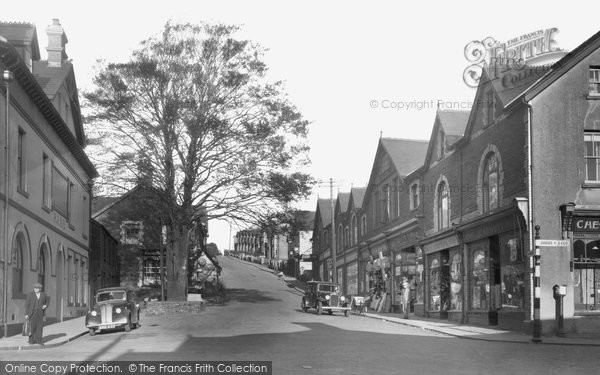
{"x": 104, "y": 262}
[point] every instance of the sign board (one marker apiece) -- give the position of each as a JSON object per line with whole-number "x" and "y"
{"x": 586, "y": 224}
{"x": 552, "y": 243}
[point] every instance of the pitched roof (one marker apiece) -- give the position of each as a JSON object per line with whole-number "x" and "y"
{"x": 358, "y": 195}
{"x": 454, "y": 124}
{"x": 324, "y": 207}
{"x": 510, "y": 84}
{"x": 100, "y": 202}
{"x": 343, "y": 198}
{"x": 20, "y": 34}
{"x": 51, "y": 78}
{"x": 10, "y": 56}
{"x": 406, "y": 154}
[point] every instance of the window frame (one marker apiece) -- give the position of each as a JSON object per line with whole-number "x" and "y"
{"x": 594, "y": 81}
{"x": 487, "y": 191}
{"x": 596, "y": 157}
{"x": 443, "y": 194}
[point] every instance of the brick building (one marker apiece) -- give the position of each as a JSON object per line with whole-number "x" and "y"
{"x": 105, "y": 266}
{"x": 457, "y": 216}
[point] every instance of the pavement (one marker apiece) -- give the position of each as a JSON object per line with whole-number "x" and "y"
{"x": 62, "y": 332}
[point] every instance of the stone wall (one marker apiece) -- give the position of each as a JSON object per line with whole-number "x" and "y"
{"x": 173, "y": 307}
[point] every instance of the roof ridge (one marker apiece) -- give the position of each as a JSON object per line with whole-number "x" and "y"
{"x": 404, "y": 139}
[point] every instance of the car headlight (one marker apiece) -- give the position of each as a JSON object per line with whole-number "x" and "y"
{"x": 327, "y": 297}
{"x": 118, "y": 310}
{"x": 342, "y": 298}
{"x": 94, "y": 313}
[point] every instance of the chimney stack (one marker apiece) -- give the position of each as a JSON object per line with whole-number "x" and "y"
{"x": 56, "y": 44}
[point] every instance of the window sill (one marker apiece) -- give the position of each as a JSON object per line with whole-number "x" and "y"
{"x": 23, "y": 192}
{"x": 590, "y": 184}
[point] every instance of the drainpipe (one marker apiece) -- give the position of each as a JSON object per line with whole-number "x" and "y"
{"x": 7, "y": 77}
{"x": 530, "y": 202}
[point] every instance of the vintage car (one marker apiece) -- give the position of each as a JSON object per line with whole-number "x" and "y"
{"x": 321, "y": 295}
{"x": 113, "y": 308}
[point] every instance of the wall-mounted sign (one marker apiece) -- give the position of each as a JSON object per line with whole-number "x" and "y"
{"x": 586, "y": 224}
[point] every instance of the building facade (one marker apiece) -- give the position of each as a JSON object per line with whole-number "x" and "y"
{"x": 460, "y": 222}
{"x": 46, "y": 190}
{"x": 105, "y": 266}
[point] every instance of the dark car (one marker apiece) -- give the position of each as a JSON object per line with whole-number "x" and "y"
{"x": 321, "y": 295}
{"x": 113, "y": 308}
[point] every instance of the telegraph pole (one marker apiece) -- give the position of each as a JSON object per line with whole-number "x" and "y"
{"x": 333, "y": 246}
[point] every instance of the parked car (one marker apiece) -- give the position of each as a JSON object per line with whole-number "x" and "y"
{"x": 113, "y": 308}
{"x": 324, "y": 296}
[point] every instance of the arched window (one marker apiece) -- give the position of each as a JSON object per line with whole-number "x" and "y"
{"x": 490, "y": 183}
{"x": 354, "y": 230}
{"x": 340, "y": 238}
{"x": 42, "y": 269}
{"x": 17, "y": 270}
{"x": 443, "y": 209}
{"x": 346, "y": 237}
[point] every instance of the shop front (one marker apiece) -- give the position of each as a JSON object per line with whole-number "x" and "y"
{"x": 378, "y": 274}
{"x": 586, "y": 265}
{"x": 443, "y": 287}
{"x": 352, "y": 279}
{"x": 496, "y": 272}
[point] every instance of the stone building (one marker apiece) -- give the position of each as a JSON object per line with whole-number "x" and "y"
{"x": 46, "y": 190}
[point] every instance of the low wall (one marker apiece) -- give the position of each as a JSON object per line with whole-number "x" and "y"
{"x": 173, "y": 307}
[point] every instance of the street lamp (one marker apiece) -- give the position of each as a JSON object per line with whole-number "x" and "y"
{"x": 7, "y": 77}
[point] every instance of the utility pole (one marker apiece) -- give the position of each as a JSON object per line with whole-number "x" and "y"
{"x": 333, "y": 246}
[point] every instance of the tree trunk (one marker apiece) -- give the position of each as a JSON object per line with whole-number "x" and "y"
{"x": 177, "y": 265}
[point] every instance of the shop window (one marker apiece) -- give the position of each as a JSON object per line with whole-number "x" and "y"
{"x": 592, "y": 156}
{"x": 490, "y": 183}
{"x": 480, "y": 281}
{"x": 513, "y": 275}
{"x": 455, "y": 280}
{"x": 594, "y": 81}
{"x": 434, "y": 283}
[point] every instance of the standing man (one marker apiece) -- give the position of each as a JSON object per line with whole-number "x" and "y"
{"x": 405, "y": 296}
{"x": 35, "y": 308}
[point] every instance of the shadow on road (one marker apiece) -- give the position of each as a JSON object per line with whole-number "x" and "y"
{"x": 248, "y": 295}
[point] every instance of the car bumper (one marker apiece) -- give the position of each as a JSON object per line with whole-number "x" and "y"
{"x": 114, "y": 324}
{"x": 336, "y": 308}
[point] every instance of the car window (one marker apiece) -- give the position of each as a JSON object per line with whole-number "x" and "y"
{"x": 328, "y": 288}
{"x": 107, "y": 296}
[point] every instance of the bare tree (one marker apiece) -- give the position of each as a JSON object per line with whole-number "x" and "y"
{"x": 193, "y": 113}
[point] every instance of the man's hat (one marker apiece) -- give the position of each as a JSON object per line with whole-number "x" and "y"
{"x": 37, "y": 285}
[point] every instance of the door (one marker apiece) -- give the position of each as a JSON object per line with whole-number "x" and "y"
{"x": 586, "y": 275}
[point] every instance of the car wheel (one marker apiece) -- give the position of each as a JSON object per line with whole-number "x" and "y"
{"x": 330, "y": 312}
{"x": 92, "y": 331}
{"x": 128, "y": 326}
{"x": 319, "y": 308}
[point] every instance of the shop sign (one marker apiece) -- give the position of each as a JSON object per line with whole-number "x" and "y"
{"x": 586, "y": 224}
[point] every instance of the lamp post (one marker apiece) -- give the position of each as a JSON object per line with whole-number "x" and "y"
{"x": 7, "y": 77}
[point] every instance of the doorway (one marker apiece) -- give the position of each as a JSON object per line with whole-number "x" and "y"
{"x": 586, "y": 275}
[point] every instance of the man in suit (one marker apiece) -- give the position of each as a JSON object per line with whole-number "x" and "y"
{"x": 35, "y": 307}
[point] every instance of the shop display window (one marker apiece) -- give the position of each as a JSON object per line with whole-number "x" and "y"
{"x": 513, "y": 286}
{"x": 480, "y": 280}
{"x": 434, "y": 283}
{"x": 455, "y": 280}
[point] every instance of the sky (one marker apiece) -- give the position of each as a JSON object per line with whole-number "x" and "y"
{"x": 357, "y": 70}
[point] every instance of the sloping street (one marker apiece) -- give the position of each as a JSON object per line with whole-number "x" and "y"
{"x": 261, "y": 320}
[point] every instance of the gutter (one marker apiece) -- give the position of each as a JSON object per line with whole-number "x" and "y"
{"x": 530, "y": 220}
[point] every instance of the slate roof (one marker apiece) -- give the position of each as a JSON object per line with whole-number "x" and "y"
{"x": 21, "y": 33}
{"x": 454, "y": 124}
{"x": 51, "y": 78}
{"x": 101, "y": 202}
{"x": 406, "y": 154}
{"x": 358, "y": 195}
{"x": 324, "y": 207}
{"x": 343, "y": 198}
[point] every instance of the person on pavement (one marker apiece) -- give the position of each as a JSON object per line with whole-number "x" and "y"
{"x": 35, "y": 308}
